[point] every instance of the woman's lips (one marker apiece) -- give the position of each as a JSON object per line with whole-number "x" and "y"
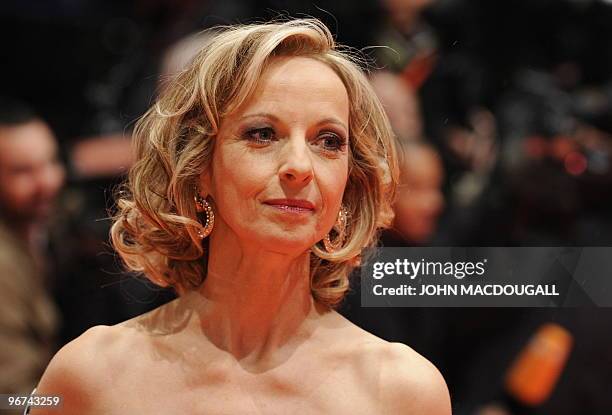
{"x": 291, "y": 205}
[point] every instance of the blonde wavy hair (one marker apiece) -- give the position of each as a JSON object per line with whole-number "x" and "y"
{"x": 155, "y": 229}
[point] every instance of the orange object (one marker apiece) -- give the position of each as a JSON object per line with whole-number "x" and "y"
{"x": 419, "y": 69}
{"x": 534, "y": 374}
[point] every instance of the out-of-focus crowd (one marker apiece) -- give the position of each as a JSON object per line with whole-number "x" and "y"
{"x": 503, "y": 116}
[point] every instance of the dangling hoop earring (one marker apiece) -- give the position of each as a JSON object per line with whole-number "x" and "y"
{"x": 340, "y": 228}
{"x": 203, "y": 206}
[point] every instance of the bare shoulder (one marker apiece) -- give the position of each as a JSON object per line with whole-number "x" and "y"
{"x": 409, "y": 383}
{"x": 82, "y": 370}
{"x": 405, "y": 381}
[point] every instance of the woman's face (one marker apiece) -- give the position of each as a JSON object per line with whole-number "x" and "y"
{"x": 280, "y": 162}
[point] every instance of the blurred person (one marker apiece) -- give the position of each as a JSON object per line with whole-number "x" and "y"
{"x": 405, "y": 15}
{"x": 262, "y": 173}
{"x": 31, "y": 176}
{"x": 401, "y": 104}
{"x": 420, "y": 201}
{"x": 411, "y": 44}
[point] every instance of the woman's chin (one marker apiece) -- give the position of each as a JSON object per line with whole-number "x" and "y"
{"x": 285, "y": 243}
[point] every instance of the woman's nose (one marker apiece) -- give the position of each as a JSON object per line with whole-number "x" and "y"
{"x": 296, "y": 163}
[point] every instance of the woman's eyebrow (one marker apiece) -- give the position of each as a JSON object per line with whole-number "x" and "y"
{"x": 332, "y": 120}
{"x": 261, "y": 114}
{"x": 329, "y": 120}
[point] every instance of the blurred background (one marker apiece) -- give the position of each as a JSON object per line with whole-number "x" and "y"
{"x": 503, "y": 112}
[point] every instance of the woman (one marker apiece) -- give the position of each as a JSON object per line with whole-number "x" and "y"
{"x": 262, "y": 171}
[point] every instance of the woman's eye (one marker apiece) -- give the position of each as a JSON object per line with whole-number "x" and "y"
{"x": 332, "y": 142}
{"x": 260, "y": 135}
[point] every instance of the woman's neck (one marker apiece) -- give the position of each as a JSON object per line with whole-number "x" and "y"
{"x": 256, "y": 301}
